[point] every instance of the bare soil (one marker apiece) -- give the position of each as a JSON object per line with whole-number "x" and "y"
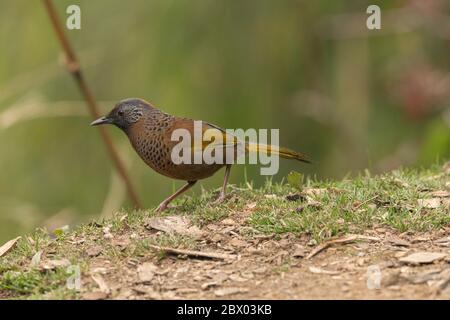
{"x": 278, "y": 267}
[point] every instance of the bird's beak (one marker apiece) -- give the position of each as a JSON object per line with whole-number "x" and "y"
{"x": 102, "y": 120}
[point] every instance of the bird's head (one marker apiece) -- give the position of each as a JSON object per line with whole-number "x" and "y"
{"x": 125, "y": 114}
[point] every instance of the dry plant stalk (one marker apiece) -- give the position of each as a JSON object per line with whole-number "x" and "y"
{"x": 73, "y": 67}
{"x": 193, "y": 253}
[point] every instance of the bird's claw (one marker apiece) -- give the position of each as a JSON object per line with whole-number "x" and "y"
{"x": 163, "y": 206}
{"x": 222, "y": 197}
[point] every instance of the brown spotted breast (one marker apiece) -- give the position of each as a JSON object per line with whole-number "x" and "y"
{"x": 151, "y": 138}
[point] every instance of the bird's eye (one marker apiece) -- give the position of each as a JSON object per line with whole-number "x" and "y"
{"x": 120, "y": 113}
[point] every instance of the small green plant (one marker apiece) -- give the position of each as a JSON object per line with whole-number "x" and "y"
{"x": 295, "y": 180}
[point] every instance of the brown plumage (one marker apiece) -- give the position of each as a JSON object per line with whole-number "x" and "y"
{"x": 150, "y": 130}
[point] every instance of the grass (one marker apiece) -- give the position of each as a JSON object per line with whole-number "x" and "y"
{"x": 337, "y": 206}
{"x": 321, "y": 209}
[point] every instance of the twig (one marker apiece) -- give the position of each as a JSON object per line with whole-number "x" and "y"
{"x": 210, "y": 255}
{"x": 365, "y": 202}
{"x": 343, "y": 240}
{"x": 4, "y": 249}
{"x": 73, "y": 67}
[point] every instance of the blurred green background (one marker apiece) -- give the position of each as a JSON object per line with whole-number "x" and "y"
{"x": 349, "y": 97}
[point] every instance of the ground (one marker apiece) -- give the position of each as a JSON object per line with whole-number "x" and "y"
{"x": 369, "y": 237}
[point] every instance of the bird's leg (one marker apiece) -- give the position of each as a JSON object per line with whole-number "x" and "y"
{"x": 223, "y": 192}
{"x": 164, "y": 204}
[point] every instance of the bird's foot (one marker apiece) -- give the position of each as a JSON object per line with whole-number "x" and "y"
{"x": 222, "y": 197}
{"x": 163, "y": 206}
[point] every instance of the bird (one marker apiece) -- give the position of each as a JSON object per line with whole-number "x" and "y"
{"x": 150, "y": 130}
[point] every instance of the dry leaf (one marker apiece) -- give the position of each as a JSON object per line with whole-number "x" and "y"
{"x": 228, "y": 222}
{"x": 424, "y": 276}
{"x": 149, "y": 292}
{"x": 398, "y": 241}
{"x": 260, "y": 270}
{"x": 440, "y": 193}
{"x": 299, "y": 252}
{"x": 99, "y": 270}
{"x": 36, "y": 260}
{"x": 247, "y": 275}
{"x": 317, "y": 270}
{"x": 235, "y": 242}
{"x": 217, "y": 237}
{"x": 207, "y": 285}
{"x": 431, "y": 203}
{"x": 146, "y": 271}
{"x": 53, "y": 264}
{"x": 94, "y": 251}
{"x": 4, "y": 249}
{"x": 420, "y": 239}
{"x": 174, "y": 224}
{"x": 237, "y": 278}
{"x": 444, "y": 240}
{"x": 229, "y": 291}
{"x": 314, "y": 203}
{"x": 423, "y": 257}
{"x": 100, "y": 281}
{"x": 121, "y": 242}
{"x": 315, "y": 192}
{"x": 251, "y": 206}
{"x": 96, "y": 295}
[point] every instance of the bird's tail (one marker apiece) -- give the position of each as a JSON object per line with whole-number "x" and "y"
{"x": 282, "y": 152}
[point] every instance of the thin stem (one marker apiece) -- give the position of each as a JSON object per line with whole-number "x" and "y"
{"x": 73, "y": 67}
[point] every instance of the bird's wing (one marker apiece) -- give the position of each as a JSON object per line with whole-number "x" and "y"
{"x": 212, "y": 135}
{"x": 224, "y": 138}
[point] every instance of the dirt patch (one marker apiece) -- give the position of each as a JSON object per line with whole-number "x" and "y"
{"x": 370, "y": 266}
{"x": 6, "y": 294}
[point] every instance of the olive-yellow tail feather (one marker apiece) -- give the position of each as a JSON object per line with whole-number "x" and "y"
{"x": 282, "y": 152}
